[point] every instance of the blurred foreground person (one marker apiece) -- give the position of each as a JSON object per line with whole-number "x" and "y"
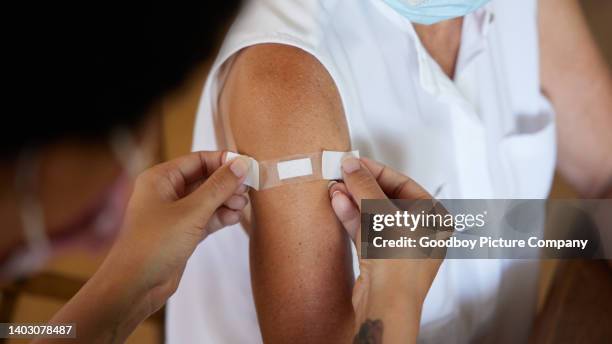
{"x": 84, "y": 85}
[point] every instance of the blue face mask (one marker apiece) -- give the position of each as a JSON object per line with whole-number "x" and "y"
{"x": 433, "y": 11}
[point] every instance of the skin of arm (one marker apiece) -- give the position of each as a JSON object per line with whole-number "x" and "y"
{"x": 578, "y": 82}
{"x": 280, "y": 101}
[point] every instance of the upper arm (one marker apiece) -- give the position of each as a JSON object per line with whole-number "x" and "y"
{"x": 288, "y": 101}
{"x": 281, "y": 101}
{"x": 577, "y": 80}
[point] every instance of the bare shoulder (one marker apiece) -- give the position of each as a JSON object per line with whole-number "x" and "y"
{"x": 280, "y": 100}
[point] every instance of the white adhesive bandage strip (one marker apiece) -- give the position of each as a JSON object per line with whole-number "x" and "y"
{"x": 288, "y": 170}
{"x": 294, "y": 169}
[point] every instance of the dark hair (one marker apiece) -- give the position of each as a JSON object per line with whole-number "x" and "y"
{"x": 79, "y": 73}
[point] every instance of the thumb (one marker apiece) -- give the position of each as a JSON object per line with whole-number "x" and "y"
{"x": 359, "y": 181}
{"x": 220, "y": 186}
{"x": 346, "y": 210}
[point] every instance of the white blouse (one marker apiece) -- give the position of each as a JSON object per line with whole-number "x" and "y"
{"x": 489, "y": 133}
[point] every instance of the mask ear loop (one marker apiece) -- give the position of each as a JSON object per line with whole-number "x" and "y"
{"x": 32, "y": 216}
{"x": 131, "y": 157}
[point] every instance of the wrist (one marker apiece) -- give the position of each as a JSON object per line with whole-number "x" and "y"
{"x": 404, "y": 280}
{"x": 105, "y": 309}
{"x": 118, "y": 299}
{"x": 144, "y": 270}
{"x": 122, "y": 278}
{"x": 394, "y": 300}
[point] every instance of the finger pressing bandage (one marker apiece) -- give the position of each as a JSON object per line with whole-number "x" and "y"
{"x": 294, "y": 169}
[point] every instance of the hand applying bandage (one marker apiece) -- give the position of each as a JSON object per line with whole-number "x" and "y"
{"x": 389, "y": 294}
{"x": 174, "y": 206}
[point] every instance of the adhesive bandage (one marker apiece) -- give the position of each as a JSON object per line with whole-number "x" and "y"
{"x": 252, "y": 179}
{"x": 294, "y": 169}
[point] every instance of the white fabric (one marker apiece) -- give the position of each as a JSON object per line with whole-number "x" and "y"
{"x": 487, "y": 134}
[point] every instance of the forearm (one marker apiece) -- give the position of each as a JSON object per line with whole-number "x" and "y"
{"x": 391, "y": 309}
{"x": 393, "y": 318}
{"x": 106, "y": 309}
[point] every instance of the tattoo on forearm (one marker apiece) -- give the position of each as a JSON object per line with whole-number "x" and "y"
{"x": 370, "y": 332}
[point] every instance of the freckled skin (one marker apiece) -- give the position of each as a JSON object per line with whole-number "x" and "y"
{"x": 279, "y": 101}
